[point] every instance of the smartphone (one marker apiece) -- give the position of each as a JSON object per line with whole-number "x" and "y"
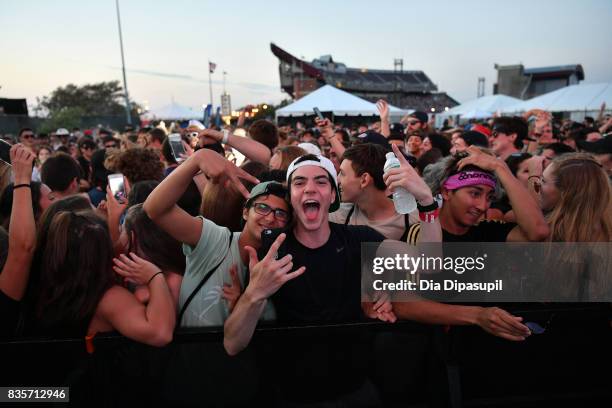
{"x": 176, "y": 145}
{"x": 318, "y": 113}
{"x": 117, "y": 186}
{"x": 268, "y": 236}
{"x": 5, "y": 151}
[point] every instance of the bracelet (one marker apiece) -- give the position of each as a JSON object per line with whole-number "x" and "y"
{"x": 430, "y": 216}
{"x": 153, "y": 277}
{"x": 226, "y": 134}
{"x": 21, "y": 185}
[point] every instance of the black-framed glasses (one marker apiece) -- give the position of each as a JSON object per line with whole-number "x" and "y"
{"x": 265, "y": 209}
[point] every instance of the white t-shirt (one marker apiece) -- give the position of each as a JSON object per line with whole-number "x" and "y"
{"x": 208, "y": 308}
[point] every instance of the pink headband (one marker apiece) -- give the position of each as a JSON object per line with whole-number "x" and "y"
{"x": 470, "y": 178}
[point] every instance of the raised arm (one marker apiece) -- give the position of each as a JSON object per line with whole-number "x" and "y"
{"x": 383, "y": 109}
{"x": 161, "y": 206}
{"x": 22, "y": 230}
{"x": 531, "y": 223}
{"x": 266, "y": 277}
{"x": 252, "y": 149}
{"x": 327, "y": 131}
{"x": 406, "y": 176}
{"x": 152, "y": 323}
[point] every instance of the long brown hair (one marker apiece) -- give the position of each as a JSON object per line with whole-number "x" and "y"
{"x": 75, "y": 272}
{"x": 584, "y": 210}
{"x": 153, "y": 243}
{"x": 223, "y": 205}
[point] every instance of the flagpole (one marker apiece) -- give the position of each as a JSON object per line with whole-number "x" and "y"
{"x": 210, "y": 83}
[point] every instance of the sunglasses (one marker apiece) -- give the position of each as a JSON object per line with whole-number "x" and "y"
{"x": 413, "y": 122}
{"x": 264, "y": 209}
{"x": 27, "y": 136}
{"x": 536, "y": 328}
{"x": 110, "y": 145}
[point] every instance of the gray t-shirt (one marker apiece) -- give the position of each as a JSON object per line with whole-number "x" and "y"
{"x": 208, "y": 308}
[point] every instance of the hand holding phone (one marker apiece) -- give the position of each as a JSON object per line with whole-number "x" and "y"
{"x": 318, "y": 113}
{"x": 176, "y": 145}
{"x": 5, "y": 151}
{"x": 117, "y": 187}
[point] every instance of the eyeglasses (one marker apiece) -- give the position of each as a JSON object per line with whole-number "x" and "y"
{"x": 264, "y": 209}
{"x": 27, "y": 136}
{"x": 413, "y": 122}
{"x": 110, "y": 146}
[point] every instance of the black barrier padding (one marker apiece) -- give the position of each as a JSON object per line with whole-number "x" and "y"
{"x": 407, "y": 363}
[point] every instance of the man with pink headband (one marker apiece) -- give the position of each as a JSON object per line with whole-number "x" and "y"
{"x": 467, "y": 192}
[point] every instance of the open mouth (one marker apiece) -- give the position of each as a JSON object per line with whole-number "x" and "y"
{"x": 311, "y": 209}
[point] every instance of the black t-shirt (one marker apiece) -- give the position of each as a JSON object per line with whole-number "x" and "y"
{"x": 484, "y": 231}
{"x": 9, "y": 315}
{"x": 329, "y": 291}
{"x": 316, "y": 366}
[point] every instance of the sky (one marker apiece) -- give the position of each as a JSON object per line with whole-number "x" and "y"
{"x": 47, "y": 44}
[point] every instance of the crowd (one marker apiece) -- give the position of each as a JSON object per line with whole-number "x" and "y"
{"x": 265, "y": 224}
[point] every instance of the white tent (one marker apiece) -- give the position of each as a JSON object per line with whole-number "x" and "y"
{"x": 482, "y": 107}
{"x": 574, "y": 98}
{"x": 174, "y": 111}
{"x": 340, "y": 103}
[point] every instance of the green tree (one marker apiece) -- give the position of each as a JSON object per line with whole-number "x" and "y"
{"x": 103, "y": 98}
{"x": 67, "y": 118}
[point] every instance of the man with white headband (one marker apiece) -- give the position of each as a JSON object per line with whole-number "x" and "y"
{"x": 468, "y": 189}
{"x": 327, "y": 292}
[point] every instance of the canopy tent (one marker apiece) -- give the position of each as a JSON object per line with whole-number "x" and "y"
{"x": 483, "y": 107}
{"x": 573, "y": 98}
{"x": 173, "y": 111}
{"x": 339, "y": 102}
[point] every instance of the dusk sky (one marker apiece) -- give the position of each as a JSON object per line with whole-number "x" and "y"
{"x": 46, "y": 44}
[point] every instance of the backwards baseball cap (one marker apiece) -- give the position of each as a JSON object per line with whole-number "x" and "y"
{"x": 62, "y": 132}
{"x": 318, "y": 161}
{"x": 601, "y": 146}
{"x": 482, "y": 129}
{"x": 420, "y": 116}
{"x": 266, "y": 188}
{"x": 472, "y": 137}
{"x": 396, "y": 131}
{"x": 373, "y": 137}
{"x": 196, "y": 124}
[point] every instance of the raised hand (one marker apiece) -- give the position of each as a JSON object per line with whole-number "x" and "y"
{"x": 383, "y": 109}
{"x": 220, "y": 170}
{"x": 21, "y": 160}
{"x": 405, "y": 176}
{"x": 135, "y": 269}
{"x": 209, "y": 136}
{"x": 269, "y": 274}
{"x": 326, "y": 128}
{"x": 479, "y": 159}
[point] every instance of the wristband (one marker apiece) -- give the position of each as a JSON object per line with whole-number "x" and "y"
{"x": 21, "y": 185}
{"x": 430, "y": 216}
{"x": 226, "y": 134}
{"x": 427, "y": 208}
{"x": 153, "y": 277}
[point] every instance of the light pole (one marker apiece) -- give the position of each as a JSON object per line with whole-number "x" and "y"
{"x": 127, "y": 97}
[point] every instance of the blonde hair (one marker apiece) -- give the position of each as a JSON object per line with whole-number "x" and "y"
{"x": 584, "y": 210}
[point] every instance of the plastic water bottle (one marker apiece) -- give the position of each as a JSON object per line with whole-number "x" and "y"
{"x": 404, "y": 201}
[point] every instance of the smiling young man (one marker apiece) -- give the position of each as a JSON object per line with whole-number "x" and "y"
{"x": 208, "y": 247}
{"x": 468, "y": 188}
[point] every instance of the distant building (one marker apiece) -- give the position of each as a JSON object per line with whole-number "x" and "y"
{"x": 526, "y": 83}
{"x": 404, "y": 89}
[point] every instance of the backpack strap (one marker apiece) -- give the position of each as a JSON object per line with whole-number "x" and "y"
{"x": 406, "y": 228}
{"x": 348, "y": 216}
{"x": 202, "y": 282}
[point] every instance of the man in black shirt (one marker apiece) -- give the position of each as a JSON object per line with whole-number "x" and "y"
{"x": 325, "y": 288}
{"x": 468, "y": 189}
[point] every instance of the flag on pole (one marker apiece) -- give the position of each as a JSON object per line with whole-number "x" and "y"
{"x": 211, "y": 67}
